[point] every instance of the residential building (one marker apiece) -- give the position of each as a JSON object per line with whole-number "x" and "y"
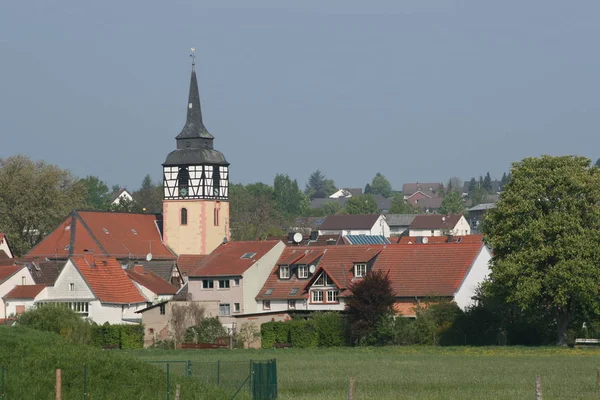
{"x": 346, "y": 193}
{"x": 477, "y": 213}
{"x": 154, "y": 288}
{"x": 399, "y": 223}
{"x": 122, "y": 195}
{"x": 438, "y": 225}
{"x": 355, "y": 224}
{"x": 4, "y": 247}
{"x": 440, "y": 239}
{"x": 21, "y": 298}
{"x": 233, "y": 275}
{"x": 11, "y": 276}
{"x": 427, "y": 189}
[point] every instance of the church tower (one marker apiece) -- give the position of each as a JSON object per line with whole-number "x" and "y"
{"x": 196, "y": 186}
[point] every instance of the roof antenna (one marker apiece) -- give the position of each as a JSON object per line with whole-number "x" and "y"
{"x": 193, "y": 55}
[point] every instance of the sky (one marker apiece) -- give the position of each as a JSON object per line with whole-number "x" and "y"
{"x": 419, "y": 91}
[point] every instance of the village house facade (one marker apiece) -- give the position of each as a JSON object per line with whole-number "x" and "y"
{"x": 438, "y": 225}
{"x": 355, "y": 224}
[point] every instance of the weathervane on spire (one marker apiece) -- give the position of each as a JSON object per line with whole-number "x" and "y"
{"x": 193, "y": 55}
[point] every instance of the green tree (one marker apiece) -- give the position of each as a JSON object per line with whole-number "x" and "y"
{"x": 319, "y": 186}
{"x": 368, "y": 189}
{"x": 487, "y": 183}
{"x": 97, "y": 193}
{"x": 400, "y": 205}
{"x": 452, "y": 204}
{"x": 34, "y": 198}
{"x": 363, "y": 204}
{"x": 372, "y": 300}
{"x": 149, "y": 196}
{"x": 289, "y": 200}
{"x": 380, "y": 185}
{"x": 454, "y": 185}
{"x": 597, "y": 163}
{"x": 253, "y": 212}
{"x": 545, "y": 232}
{"x": 58, "y": 318}
{"x": 472, "y": 185}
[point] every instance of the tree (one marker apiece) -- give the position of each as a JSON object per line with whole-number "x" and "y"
{"x": 207, "y": 330}
{"x": 380, "y": 185}
{"x": 454, "y": 185}
{"x": 545, "y": 232}
{"x": 289, "y": 200}
{"x": 472, "y": 185}
{"x": 400, "y": 205}
{"x": 319, "y": 186}
{"x": 97, "y": 193}
{"x": 477, "y": 196}
{"x": 253, "y": 212}
{"x": 452, "y": 204}
{"x": 34, "y": 198}
{"x": 372, "y": 299}
{"x": 248, "y": 334}
{"x": 487, "y": 183}
{"x": 181, "y": 317}
{"x": 368, "y": 189}
{"x": 149, "y": 196}
{"x": 597, "y": 163}
{"x": 363, "y": 204}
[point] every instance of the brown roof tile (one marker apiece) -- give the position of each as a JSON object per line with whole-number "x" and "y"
{"x": 7, "y": 271}
{"x": 442, "y": 239}
{"x": 227, "y": 258}
{"x": 349, "y": 221}
{"x": 152, "y": 281}
{"x": 24, "y": 292}
{"x": 435, "y": 221}
{"x": 187, "y": 262}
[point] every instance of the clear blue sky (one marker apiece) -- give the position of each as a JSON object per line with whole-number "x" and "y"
{"x": 420, "y": 91}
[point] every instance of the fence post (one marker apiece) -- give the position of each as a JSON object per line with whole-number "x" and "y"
{"x": 3, "y": 392}
{"x": 251, "y": 380}
{"x": 168, "y": 384}
{"x": 351, "y": 389}
{"x": 177, "y": 390}
{"x": 84, "y": 382}
{"x": 597, "y": 378}
{"x": 58, "y": 384}
{"x": 218, "y": 372}
{"x": 188, "y": 368}
{"x": 538, "y": 388}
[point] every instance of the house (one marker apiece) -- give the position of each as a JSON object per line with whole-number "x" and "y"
{"x": 440, "y": 239}
{"x": 438, "y": 225}
{"x": 119, "y": 196}
{"x": 355, "y": 224}
{"x": 313, "y": 239}
{"x": 233, "y": 275}
{"x": 399, "y": 223}
{"x": 365, "y": 239}
{"x": 97, "y": 288}
{"x": 427, "y": 205}
{"x": 43, "y": 272}
{"x": 21, "y": 298}
{"x": 188, "y": 262}
{"x": 427, "y": 189}
{"x": 154, "y": 288}
{"x": 4, "y": 247}
{"x": 11, "y": 276}
{"x": 346, "y": 193}
{"x": 477, "y": 213}
{"x": 422, "y": 272}
{"x": 315, "y": 279}
{"x": 306, "y": 225}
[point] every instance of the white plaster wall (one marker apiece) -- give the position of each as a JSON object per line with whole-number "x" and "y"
{"x": 61, "y": 289}
{"x": 11, "y": 305}
{"x": 462, "y": 227}
{"x": 476, "y": 275}
{"x": 21, "y": 277}
{"x": 255, "y": 277}
{"x": 4, "y": 246}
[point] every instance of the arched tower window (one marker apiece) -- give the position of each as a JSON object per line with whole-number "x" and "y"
{"x": 183, "y": 182}
{"x": 216, "y": 182}
{"x": 184, "y": 216}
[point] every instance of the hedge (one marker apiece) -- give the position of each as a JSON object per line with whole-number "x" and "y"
{"x": 331, "y": 329}
{"x": 303, "y": 333}
{"x": 273, "y": 332}
{"x": 123, "y": 336}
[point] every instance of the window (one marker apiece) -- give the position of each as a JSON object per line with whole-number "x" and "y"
{"x": 360, "y": 270}
{"x": 163, "y": 310}
{"x": 294, "y": 291}
{"x": 71, "y": 287}
{"x": 332, "y": 296}
{"x": 292, "y": 304}
{"x": 183, "y": 181}
{"x": 248, "y": 255}
{"x": 236, "y": 282}
{"x": 284, "y": 272}
{"x": 216, "y": 182}
{"x": 23, "y": 281}
{"x": 224, "y": 309}
{"x": 151, "y": 331}
{"x": 216, "y": 217}
{"x": 184, "y": 216}
{"x": 266, "y": 304}
{"x": 302, "y": 271}
{"x": 269, "y": 292}
{"x": 317, "y": 296}
{"x": 323, "y": 280}
{"x": 236, "y": 307}
{"x": 223, "y": 283}
{"x": 208, "y": 284}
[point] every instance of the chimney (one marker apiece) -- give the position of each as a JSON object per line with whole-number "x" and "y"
{"x": 448, "y": 238}
{"x": 138, "y": 268}
{"x": 88, "y": 256}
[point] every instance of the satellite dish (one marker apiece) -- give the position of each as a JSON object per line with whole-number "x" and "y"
{"x": 149, "y": 257}
{"x": 312, "y": 269}
{"x": 425, "y": 240}
{"x": 297, "y": 237}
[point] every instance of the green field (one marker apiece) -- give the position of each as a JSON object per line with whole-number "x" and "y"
{"x": 414, "y": 372}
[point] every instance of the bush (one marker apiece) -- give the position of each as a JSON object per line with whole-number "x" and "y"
{"x": 274, "y": 332}
{"x": 58, "y": 319}
{"x": 331, "y": 329}
{"x": 123, "y": 336}
{"x": 207, "y": 331}
{"x": 303, "y": 334}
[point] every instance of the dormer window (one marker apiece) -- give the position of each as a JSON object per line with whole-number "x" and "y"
{"x": 360, "y": 270}
{"x": 284, "y": 272}
{"x": 323, "y": 280}
{"x": 302, "y": 271}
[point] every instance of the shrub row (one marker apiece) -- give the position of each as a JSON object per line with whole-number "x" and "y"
{"x": 321, "y": 329}
{"x": 122, "y": 336}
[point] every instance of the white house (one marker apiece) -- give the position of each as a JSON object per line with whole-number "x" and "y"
{"x": 399, "y": 223}
{"x": 439, "y": 225}
{"x": 122, "y": 194}
{"x": 355, "y": 224}
{"x": 11, "y": 276}
{"x": 346, "y": 193}
{"x": 97, "y": 288}
{"x": 21, "y": 298}
{"x": 4, "y": 245}
{"x": 154, "y": 288}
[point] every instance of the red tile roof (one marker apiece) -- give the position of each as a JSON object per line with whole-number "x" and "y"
{"x": 111, "y": 234}
{"x": 108, "y": 281}
{"x": 443, "y": 239}
{"x": 152, "y": 281}
{"x": 6, "y": 271}
{"x": 337, "y": 262}
{"x": 435, "y": 221}
{"x": 322, "y": 240}
{"x": 227, "y": 258}
{"x": 5, "y": 259}
{"x": 349, "y": 221}
{"x": 187, "y": 262}
{"x": 24, "y": 292}
{"x": 432, "y": 269}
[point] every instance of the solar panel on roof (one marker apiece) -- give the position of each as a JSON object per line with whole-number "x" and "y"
{"x": 367, "y": 239}
{"x": 269, "y": 292}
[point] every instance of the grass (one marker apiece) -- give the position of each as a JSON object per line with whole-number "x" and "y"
{"x": 32, "y": 357}
{"x": 417, "y": 372}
